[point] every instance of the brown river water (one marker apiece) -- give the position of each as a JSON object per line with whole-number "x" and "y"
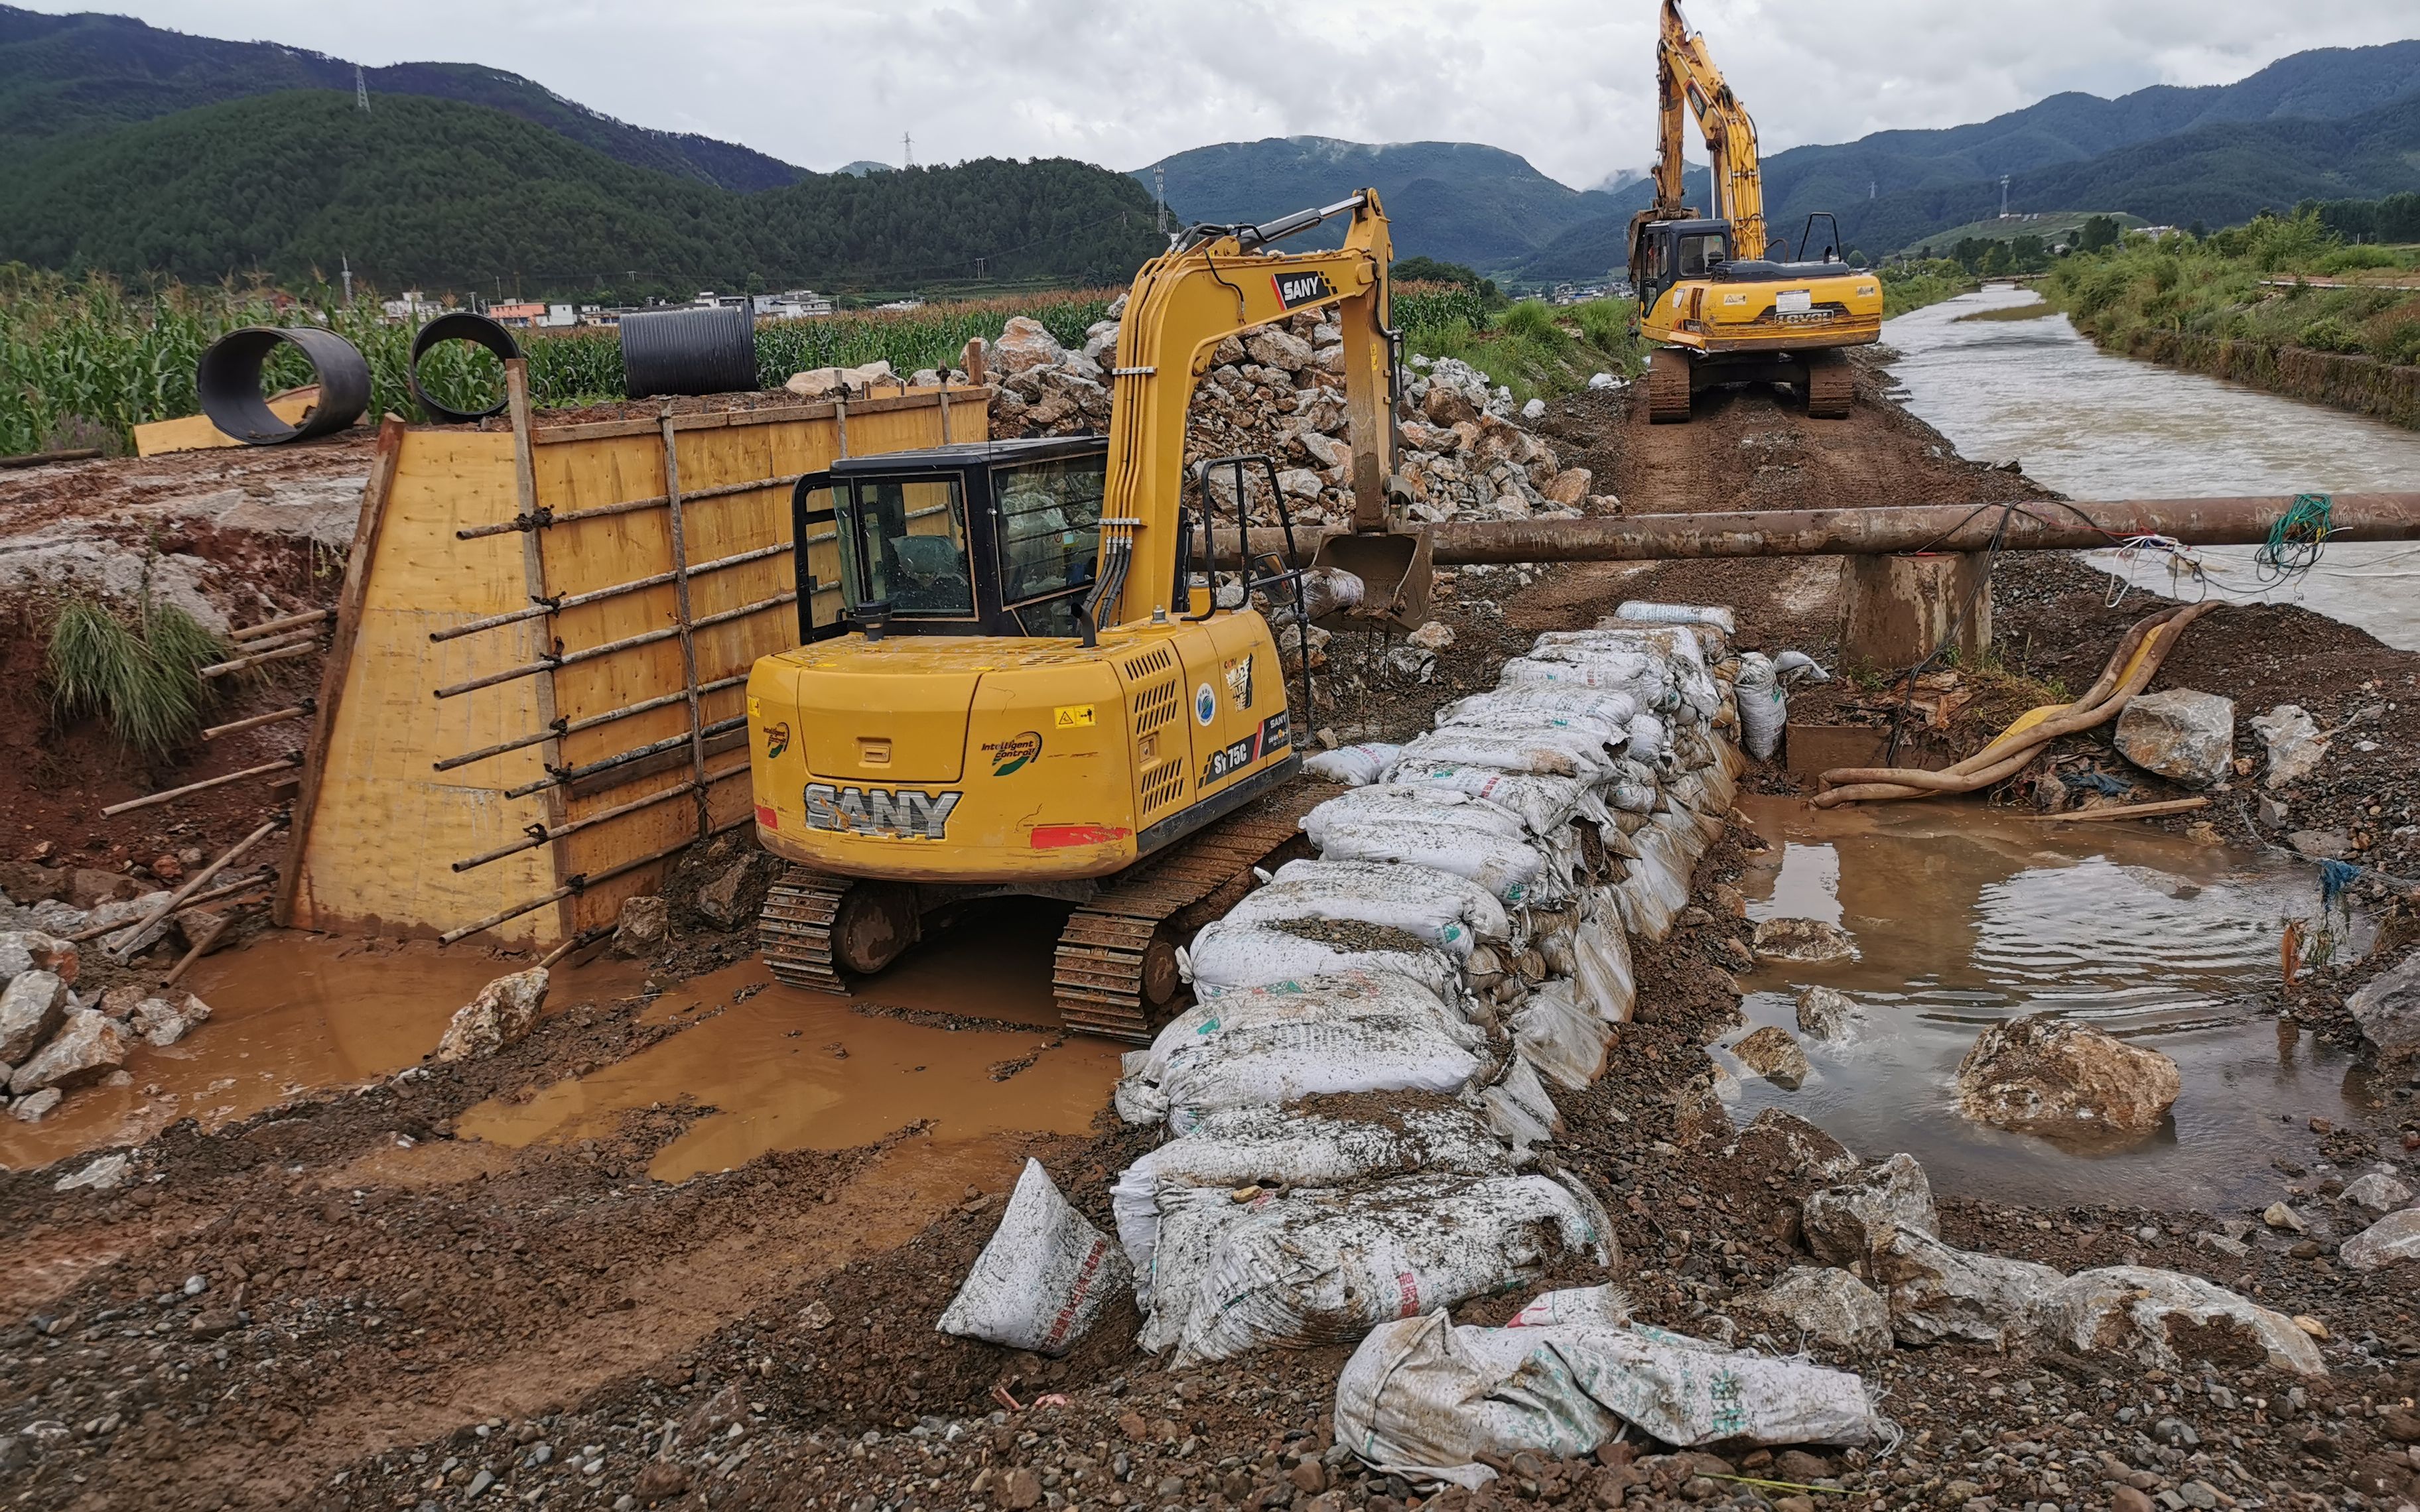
{"x": 1962, "y": 915}
{"x": 2095, "y": 426}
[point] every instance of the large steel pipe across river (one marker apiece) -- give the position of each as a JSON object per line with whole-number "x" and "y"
{"x": 2029, "y": 525}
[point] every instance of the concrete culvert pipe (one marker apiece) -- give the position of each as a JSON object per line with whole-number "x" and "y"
{"x": 688, "y": 351}
{"x": 460, "y": 326}
{"x": 229, "y": 378}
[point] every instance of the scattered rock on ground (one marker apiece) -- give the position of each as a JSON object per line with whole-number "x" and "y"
{"x": 2378, "y": 1192}
{"x": 640, "y": 927}
{"x": 1937, "y": 1293}
{"x": 26, "y": 949}
{"x": 2387, "y": 1008}
{"x": 2045, "y": 1075}
{"x": 1802, "y": 939}
{"x": 36, "y": 1106}
{"x": 1828, "y": 1304}
{"x": 87, "y": 1047}
{"x": 2395, "y": 1237}
{"x": 2295, "y": 748}
{"x": 1024, "y": 343}
{"x": 1826, "y": 1014}
{"x": 1844, "y": 1224}
{"x": 31, "y": 1006}
{"x": 2321, "y": 844}
{"x": 736, "y": 894}
{"x": 1786, "y": 1143}
{"x": 1771, "y": 1053}
{"x": 2183, "y": 734}
{"x": 2164, "y": 1320}
{"x": 164, "y": 1021}
{"x": 500, "y": 1016}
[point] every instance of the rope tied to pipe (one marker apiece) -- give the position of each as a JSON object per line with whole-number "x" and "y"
{"x": 2296, "y": 539}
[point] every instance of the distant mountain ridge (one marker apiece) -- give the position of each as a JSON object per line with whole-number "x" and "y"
{"x": 68, "y": 75}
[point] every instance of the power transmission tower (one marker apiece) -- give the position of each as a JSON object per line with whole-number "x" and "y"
{"x": 361, "y": 90}
{"x": 908, "y": 148}
{"x": 1869, "y": 188}
{"x": 1159, "y": 196}
{"x": 349, "y": 281}
{"x": 2004, "y": 197}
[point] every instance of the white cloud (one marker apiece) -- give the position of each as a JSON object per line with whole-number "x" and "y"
{"x": 1568, "y": 84}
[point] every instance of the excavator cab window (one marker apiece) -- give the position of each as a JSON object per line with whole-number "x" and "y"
{"x": 905, "y": 541}
{"x": 1048, "y": 533}
{"x": 1700, "y": 250}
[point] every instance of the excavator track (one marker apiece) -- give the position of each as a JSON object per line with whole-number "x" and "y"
{"x": 1668, "y": 386}
{"x": 1117, "y": 956}
{"x": 1831, "y": 385}
{"x": 795, "y": 930}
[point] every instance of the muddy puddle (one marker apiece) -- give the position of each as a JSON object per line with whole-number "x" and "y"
{"x": 290, "y": 1013}
{"x": 1962, "y": 917}
{"x": 786, "y": 1070}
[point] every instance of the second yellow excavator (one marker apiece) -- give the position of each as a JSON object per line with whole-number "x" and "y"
{"x": 1036, "y": 683}
{"x": 1718, "y": 303}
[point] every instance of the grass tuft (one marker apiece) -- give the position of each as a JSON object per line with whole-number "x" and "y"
{"x": 143, "y": 675}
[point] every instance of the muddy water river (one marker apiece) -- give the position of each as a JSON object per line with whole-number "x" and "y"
{"x": 2098, "y": 426}
{"x": 1962, "y": 917}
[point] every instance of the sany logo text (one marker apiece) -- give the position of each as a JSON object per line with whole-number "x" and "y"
{"x": 905, "y": 813}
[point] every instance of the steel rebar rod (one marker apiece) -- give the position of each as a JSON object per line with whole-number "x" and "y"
{"x": 580, "y": 883}
{"x": 291, "y": 622}
{"x": 299, "y": 711}
{"x": 600, "y": 594}
{"x": 537, "y": 835}
{"x": 545, "y": 517}
{"x": 656, "y": 747}
{"x": 570, "y": 659}
{"x": 286, "y": 762}
{"x": 576, "y": 726}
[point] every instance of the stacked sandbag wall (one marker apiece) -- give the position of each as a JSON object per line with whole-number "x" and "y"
{"x": 1359, "y": 1130}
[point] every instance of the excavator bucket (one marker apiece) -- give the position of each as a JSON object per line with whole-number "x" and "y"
{"x": 1396, "y": 568}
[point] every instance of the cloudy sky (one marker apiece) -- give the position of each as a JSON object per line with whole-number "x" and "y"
{"x": 1568, "y": 84}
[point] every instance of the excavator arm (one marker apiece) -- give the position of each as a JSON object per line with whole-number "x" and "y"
{"x": 1686, "y": 79}
{"x": 1213, "y": 282}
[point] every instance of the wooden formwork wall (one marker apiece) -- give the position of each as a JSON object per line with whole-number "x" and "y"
{"x": 576, "y": 608}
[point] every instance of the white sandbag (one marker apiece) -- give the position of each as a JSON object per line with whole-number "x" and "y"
{"x": 1043, "y": 1280}
{"x": 1353, "y": 1033}
{"x": 1544, "y": 803}
{"x": 1444, "y": 910}
{"x": 1390, "y": 801}
{"x": 1328, "y": 1266}
{"x": 1647, "y": 683}
{"x": 1564, "y": 1041}
{"x": 1601, "y": 976}
{"x": 1353, "y": 766}
{"x": 1517, "y": 1105}
{"x": 1553, "y": 704}
{"x": 1650, "y": 742}
{"x": 1270, "y": 1147}
{"x": 1603, "y": 732}
{"x": 1424, "y": 1398}
{"x": 1683, "y": 655}
{"x": 1716, "y": 615}
{"x": 1228, "y": 954}
{"x": 1657, "y": 887}
{"x": 1512, "y": 869}
{"x": 1558, "y": 750}
{"x": 1763, "y": 705}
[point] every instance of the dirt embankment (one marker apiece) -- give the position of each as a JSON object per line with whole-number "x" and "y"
{"x": 2354, "y": 382}
{"x": 388, "y": 1315}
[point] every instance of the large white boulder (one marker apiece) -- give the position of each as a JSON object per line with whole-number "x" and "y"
{"x": 87, "y": 1047}
{"x": 1846, "y": 1224}
{"x": 1938, "y": 1294}
{"x": 2144, "y": 1312}
{"x": 2183, "y": 734}
{"x": 1827, "y": 1303}
{"x": 2387, "y": 1008}
{"x": 30, "y": 1008}
{"x": 1024, "y": 343}
{"x": 2395, "y": 1237}
{"x": 29, "y": 949}
{"x": 501, "y": 1014}
{"x": 2295, "y": 747}
{"x": 2045, "y": 1074}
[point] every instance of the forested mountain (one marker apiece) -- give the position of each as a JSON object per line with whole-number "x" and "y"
{"x": 1454, "y": 201}
{"x": 76, "y": 74}
{"x": 438, "y": 193}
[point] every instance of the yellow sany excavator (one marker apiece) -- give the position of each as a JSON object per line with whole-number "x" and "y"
{"x": 1718, "y": 301}
{"x": 1036, "y": 680}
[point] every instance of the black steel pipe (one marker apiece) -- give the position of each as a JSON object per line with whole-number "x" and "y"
{"x": 689, "y": 351}
{"x": 2030, "y": 525}
{"x": 460, "y": 325}
{"x": 228, "y": 381}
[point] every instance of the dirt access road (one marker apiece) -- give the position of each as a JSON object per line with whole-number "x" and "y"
{"x": 342, "y": 1301}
